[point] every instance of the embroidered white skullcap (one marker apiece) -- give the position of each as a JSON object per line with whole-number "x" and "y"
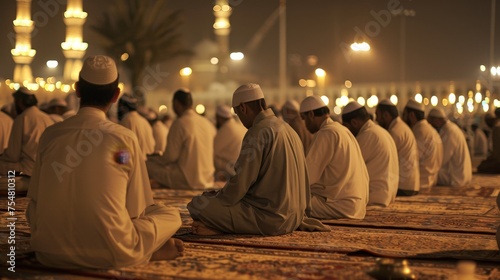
{"x": 224, "y": 111}
{"x": 292, "y": 105}
{"x": 351, "y": 107}
{"x": 412, "y": 104}
{"x": 386, "y": 102}
{"x": 57, "y": 102}
{"x": 99, "y": 70}
{"x": 247, "y": 93}
{"x": 311, "y": 103}
{"x": 437, "y": 113}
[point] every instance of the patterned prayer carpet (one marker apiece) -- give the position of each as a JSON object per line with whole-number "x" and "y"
{"x": 432, "y": 230}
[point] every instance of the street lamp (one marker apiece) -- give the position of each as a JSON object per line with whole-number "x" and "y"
{"x": 320, "y": 75}
{"x": 185, "y": 73}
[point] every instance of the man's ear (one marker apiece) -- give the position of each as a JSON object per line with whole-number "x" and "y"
{"x": 116, "y": 95}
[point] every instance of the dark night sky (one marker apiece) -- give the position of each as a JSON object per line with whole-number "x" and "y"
{"x": 447, "y": 39}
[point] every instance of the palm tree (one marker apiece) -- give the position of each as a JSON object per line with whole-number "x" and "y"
{"x": 143, "y": 30}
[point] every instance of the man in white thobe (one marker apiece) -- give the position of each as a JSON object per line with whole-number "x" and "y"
{"x": 337, "y": 172}
{"x": 5, "y": 128}
{"x": 291, "y": 115}
{"x": 160, "y": 132}
{"x": 188, "y": 161}
{"x": 227, "y": 142}
{"x": 28, "y": 126}
{"x": 430, "y": 146}
{"x": 456, "y": 169}
{"x": 379, "y": 152}
{"x": 269, "y": 195}
{"x": 91, "y": 204}
{"x": 409, "y": 176}
{"x": 131, "y": 119}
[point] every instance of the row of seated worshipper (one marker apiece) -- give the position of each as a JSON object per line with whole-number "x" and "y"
{"x": 110, "y": 219}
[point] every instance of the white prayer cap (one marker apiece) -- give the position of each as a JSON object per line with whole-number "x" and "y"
{"x": 247, "y": 93}
{"x": 437, "y": 113}
{"x": 292, "y": 105}
{"x": 412, "y": 104}
{"x": 57, "y": 102}
{"x": 351, "y": 107}
{"x": 223, "y": 111}
{"x": 386, "y": 102}
{"x": 311, "y": 103}
{"x": 99, "y": 70}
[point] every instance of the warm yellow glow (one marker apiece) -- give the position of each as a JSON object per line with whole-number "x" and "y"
{"x": 50, "y": 87}
{"x": 344, "y": 92}
{"x": 344, "y": 100}
{"x": 214, "y": 60}
{"x": 486, "y": 107}
{"x": 478, "y": 85}
{"x": 426, "y": 101}
{"x": 124, "y": 56}
{"x": 360, "y": 47}
{"x": 302, "y": 83}
{"x": 58, "y": 84}
{"x": 226, "y": 8}
{"x": 482, "y": 68}
{"x": 372, "y": 101}
{"x": 23, "y": 22}
{"x": 320, "y": 72}
{"x": 162, "y": 108}
{"x": 221, "y": 23}
{"x": 394, "y": 99}
{"x": 496, "y": 103}
{"x": 325, "y": 99}
{"x": 470, "y": 101}
{"x": 460, "y": 110}
{"x": 76, "y": 46}
{"x": 418, "y": 97}
{"x": 348, "y": 84}
{"x": 7, "y": 82}
{"x": 445, "y": 102}
{"x": 200, "y": 109}
{"x": 75, "y": 14}
{"x": 236, "y": 56}
{"x": 337, "y": 110}
{"x": 361, "y": 101}
{"x": 66, "y": 88}
{"x": 25, "y": 83}
{"x": 434, "y": 100}
{"x": 478, "y": 98}
{"x": 51, "y": 80}
{"x": 470, "y": 93}
{"x": 217, "y": 8}
{"x": 452, "y": 98}
{"x": 487, "y": 100}
{"x": 311, "y": 83}
{"x": 52, "y": 63}
{"x": 121, "y": 86}
{"x": 186, "y": 71}
{"x": 461, "y": 99}
{"x": 494, "y": 71}
{"x": 470, "y": 108}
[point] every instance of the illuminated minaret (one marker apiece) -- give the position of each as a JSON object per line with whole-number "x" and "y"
{"x": 222, "y": 28}
{"x": 23, "y": 54}
{"x": 73, "y": 48}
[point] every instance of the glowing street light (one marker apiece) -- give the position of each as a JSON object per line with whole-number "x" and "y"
{"x": 320, "y": 74}
{"x": 360, "y": 47}
{"x": 52, "y": 64}
{"x": 236, "y": 56}
{"x": 185, "y": 73}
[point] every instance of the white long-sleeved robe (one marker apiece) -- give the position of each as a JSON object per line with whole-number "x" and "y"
{"x": 26, "y": 130}
{"x": 227, "y": 146}
{"x": 480, "y": 143}
{"x": 188, "y": 161}
{"x": 160, "y": 134}
{"x": 430, "y": 153}
{"x": 381, "y": 159}
{"x": 406, "y": 144}
{"x": 91, "y": 203}
{"x": 456, "y": 169}
{"x": 142, "y": 129}
{"x": 5, "y": 128}
{"x": 269, "y": 194}
{"x": 337, "y": 174}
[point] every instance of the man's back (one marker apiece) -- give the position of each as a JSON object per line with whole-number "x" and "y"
{"x": 227, "y": 145}
{"x": 406, "y": 144}
{"x": 456, "y": 169}
{"x": 5, "y": 128}
{"x": 89, "y": 182}
{"x": 190, "y": 145}
{"x": 430, "y": 153}
{"x": 381, "y": 158}
{"x": 142, "y": 129}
